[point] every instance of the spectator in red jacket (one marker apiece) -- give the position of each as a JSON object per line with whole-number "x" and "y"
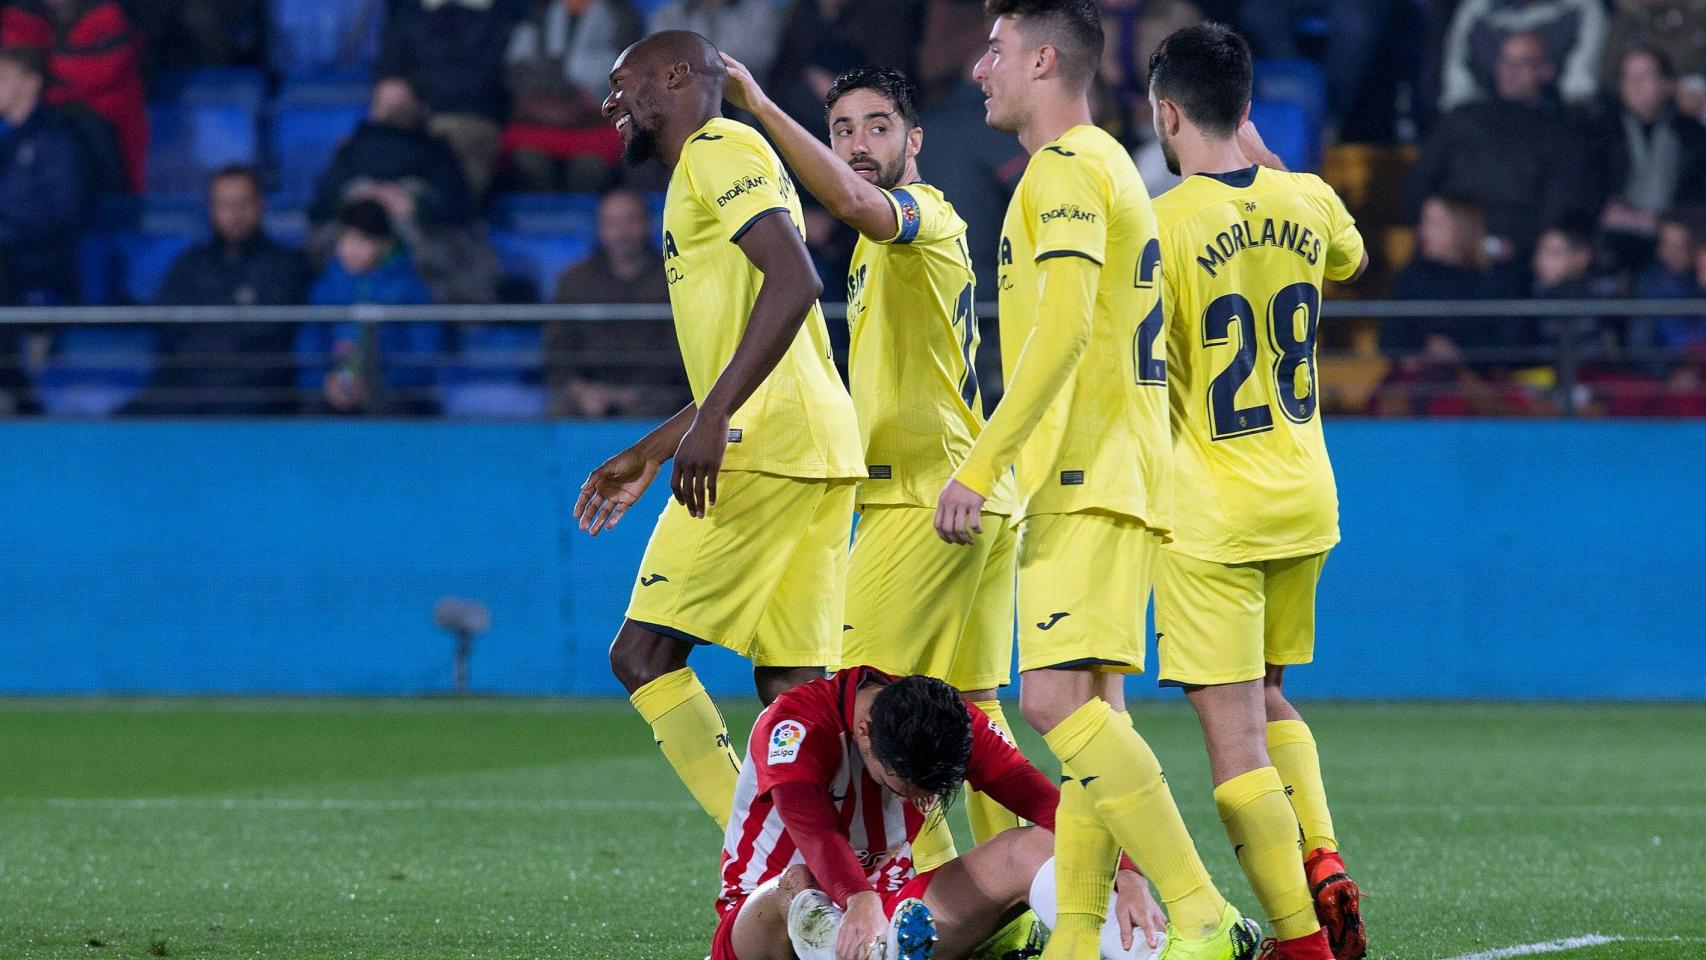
{"x": 94, "y": 55}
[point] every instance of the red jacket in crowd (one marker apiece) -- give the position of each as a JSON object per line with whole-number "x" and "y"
{"x": 97, "y": 61}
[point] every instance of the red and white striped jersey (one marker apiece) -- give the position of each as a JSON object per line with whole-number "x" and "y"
{"x": 806, "y": 736}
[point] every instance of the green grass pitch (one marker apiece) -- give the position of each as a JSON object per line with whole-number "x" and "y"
{"x": 539, "y": 829}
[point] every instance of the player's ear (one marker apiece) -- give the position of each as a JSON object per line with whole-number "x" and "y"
{"x": 679, "y": 71}
{"x": 914, "y": 141}
{"x": 1044, "y": 62}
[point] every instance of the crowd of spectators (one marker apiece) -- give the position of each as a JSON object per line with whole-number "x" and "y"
{"x": 1558, "y": 154}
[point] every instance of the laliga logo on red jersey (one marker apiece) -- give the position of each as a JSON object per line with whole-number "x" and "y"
{"x": 785, "y": 741}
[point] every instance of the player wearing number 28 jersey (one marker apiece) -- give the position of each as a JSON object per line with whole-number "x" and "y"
{"x": 1244, "y": 250}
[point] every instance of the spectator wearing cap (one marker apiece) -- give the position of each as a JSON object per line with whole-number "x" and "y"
{"x": 1651, "y": 158}
{"x": 370, "y": 367}
{"x": 453, "y": 51}
{"x": 602, "y": 368}
{"x": 43, "y": 198}
{"x": 1520, "y": 156}
{"x": 94, "y": 57}
{"x": 559, "y": 62}
{"x": 229, "y": 369}
{"x": 1572, "y": 34}
{"x": 393, "y": 146}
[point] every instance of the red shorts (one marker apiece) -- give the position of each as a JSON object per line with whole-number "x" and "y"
{"x": 723, "y": 940}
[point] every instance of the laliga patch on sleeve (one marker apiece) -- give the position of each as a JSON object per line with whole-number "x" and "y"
{"x": 785, "y": 741}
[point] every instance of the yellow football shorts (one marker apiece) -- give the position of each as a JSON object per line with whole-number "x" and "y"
{"x": 1084, "y": 581}
{"x": 1224, "y": 622}
{"x": 918, "y": 605}
{"x": 763, "y": 574}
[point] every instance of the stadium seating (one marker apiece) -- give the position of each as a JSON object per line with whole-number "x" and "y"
{"x": 308, "y": 121}
{"x": 1284, "y": 126}
{"x": 311, "y": 36}
{"x": 497, "y": 372}
{"x": 189, "y": 140}
{"x": 93, "y": 371}
{"x": 539, "y": 257}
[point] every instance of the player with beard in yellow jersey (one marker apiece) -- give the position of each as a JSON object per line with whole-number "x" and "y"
{"x": 1084, "y": 425}
{"x": 914, "y": 603}
{"x": 1245, "y": 248}
{"x": 752, "y": 552}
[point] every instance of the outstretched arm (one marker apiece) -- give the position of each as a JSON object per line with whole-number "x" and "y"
{"x": 857, "y": 203}
{"x": 1046, "y": 362}
{"x": 790, "y": 288}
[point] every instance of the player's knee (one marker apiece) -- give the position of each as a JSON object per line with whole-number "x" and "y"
{"x": 1042, "y": 710}
{"x": 637, "y": 660}
{"x": 794, "y": 879}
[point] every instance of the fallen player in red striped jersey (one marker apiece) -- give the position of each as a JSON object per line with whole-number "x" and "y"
{"x": 839, "y": 778}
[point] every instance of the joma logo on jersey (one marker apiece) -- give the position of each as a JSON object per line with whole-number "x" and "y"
{"x": 743, "y": 185}
{"x": 1069, "y": 211}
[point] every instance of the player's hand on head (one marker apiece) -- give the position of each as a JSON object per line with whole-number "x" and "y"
{"x": 862, "y": 928}
{"x": 613, "y": 487}
{"x": 1255, "y": 148}
{"x": 1137, "y": 910}
{"x": 959, "y": 514}
{"x": 698, "y": 460}
{"x": 742, "y": 90}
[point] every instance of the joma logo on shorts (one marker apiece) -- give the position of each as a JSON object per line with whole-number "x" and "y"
{"x": 652, "y": 579}
{"x": 1053, "y": 619}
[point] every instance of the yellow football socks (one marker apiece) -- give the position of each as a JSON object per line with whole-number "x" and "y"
{"x": 1292, "y": 748}
{"x": 934, "y": 844}
{"x": 1085, "y": 858}
{"x": 989, "y": 818}
{"x": 1131, "y": 796}
{"x": 1265, "y": 836}
{"x": 695, "y": 741}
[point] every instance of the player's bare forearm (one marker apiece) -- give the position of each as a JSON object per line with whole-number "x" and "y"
{"x": 660, "y": 444}
{"x": 861, "y": 205}
{"x": 1046, "y": 362}
{"x": 786, "y": 296}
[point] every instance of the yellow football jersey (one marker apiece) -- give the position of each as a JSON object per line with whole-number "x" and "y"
{"x": 800, "y": 422}
{"x": 1101, "y": 443}
{"x": 912, "y": 358}
{"x": 1243, "y": 256}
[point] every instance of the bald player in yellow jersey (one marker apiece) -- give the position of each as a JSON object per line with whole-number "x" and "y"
{"x": 1083, "y": 424}
{"x": 914, "y": 603}
{"x": 751, "y": 554}
{"x": 1244, "y": 251}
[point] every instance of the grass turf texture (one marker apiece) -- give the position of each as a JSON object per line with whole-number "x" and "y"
{"x": 429, "y": 829}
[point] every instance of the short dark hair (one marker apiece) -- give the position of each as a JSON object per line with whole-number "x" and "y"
{"x": 235, "y": 170}
{"x": 1661, "y": 59}
{"x": 887, "y": 81}
{"x": 921, "y": 730}
{"x": 367, "y": 217}
{"x": 1206, "y": 70}
{"x": 1073, "y": 27}
{"x": 29, "y": 59}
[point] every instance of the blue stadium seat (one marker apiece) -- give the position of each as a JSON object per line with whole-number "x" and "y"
{"x": 1298, "y": 81}
{"x": 308, "y": 123}
{"x": 539, "y": 257}
{"x": 210, "y": 85}
{"x": 92, "y": 371}
{"x": 575, "y": 213}
{"x": 313, "y": 35}
{"x": 498, "y": 372}
{"x": 188, "y": 141}
{"x": 128, "y": 267}
{"x": 1285, "y": 127}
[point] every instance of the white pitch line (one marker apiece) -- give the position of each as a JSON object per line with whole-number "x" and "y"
{"x": 1548, "y": 946}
